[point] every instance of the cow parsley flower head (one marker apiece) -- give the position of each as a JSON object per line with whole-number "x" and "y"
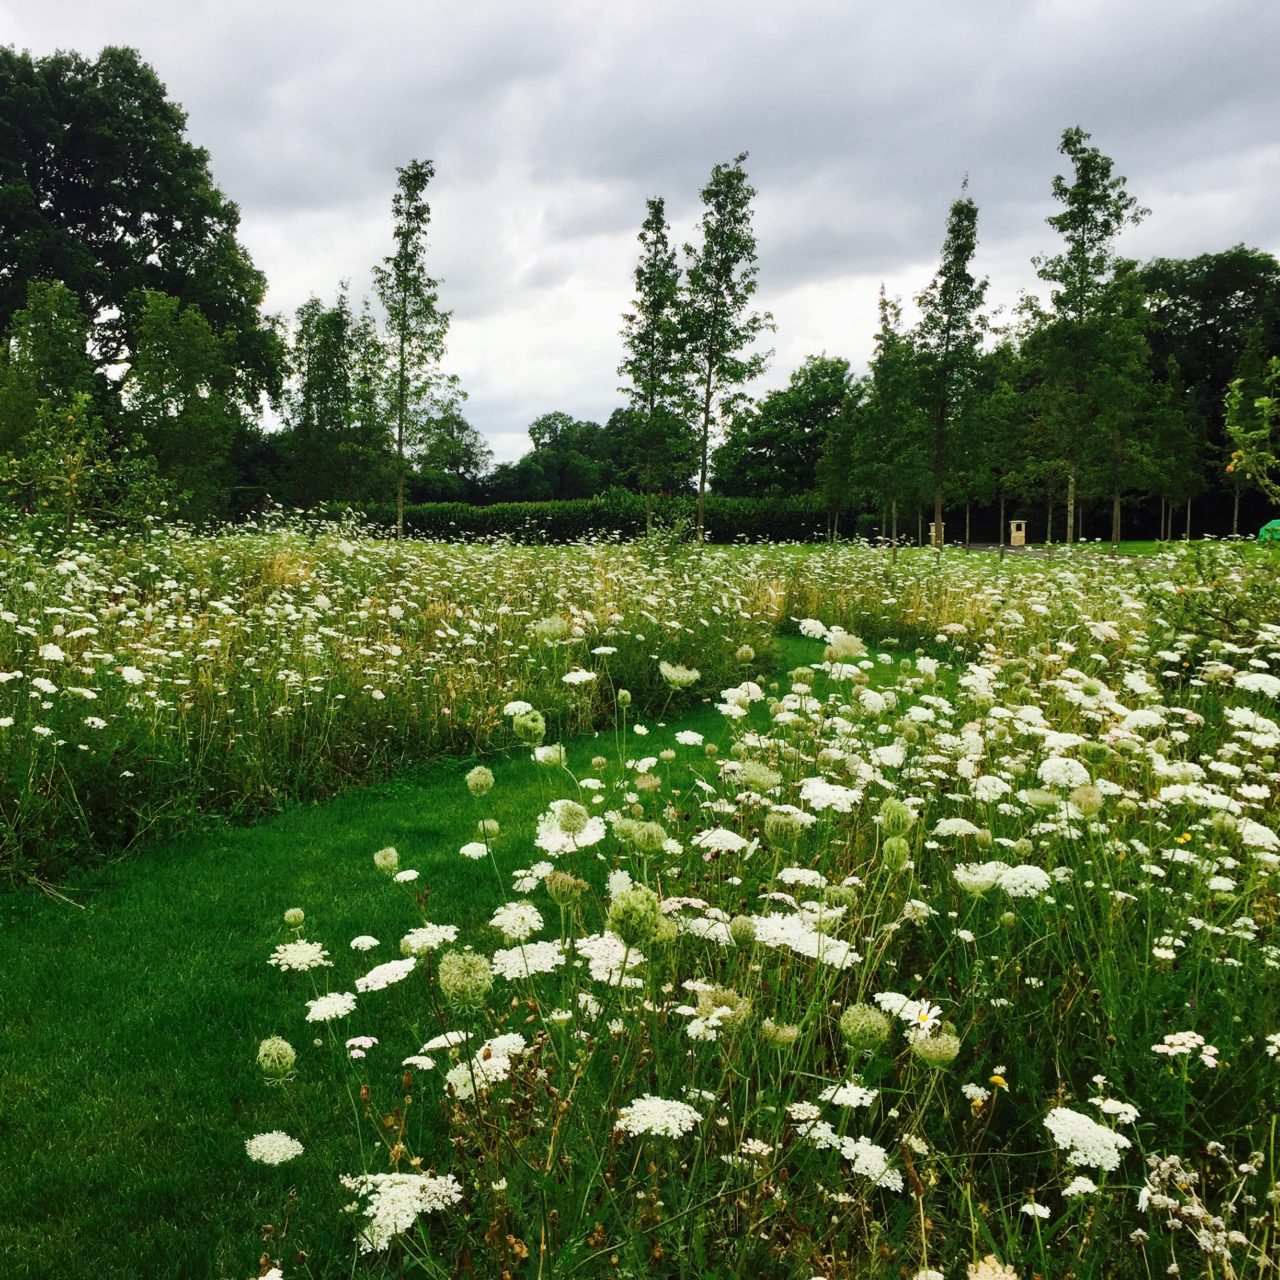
{"x": 1085, "y": 1141}
{"x": 272, "y": 1148}
{"x": 659, "y": 1117}
{"x": 517, "y": 921}
{"x": 391, "y": 1203}
{"x": 300, "y": 956}
{"x": 336, "y": 1005}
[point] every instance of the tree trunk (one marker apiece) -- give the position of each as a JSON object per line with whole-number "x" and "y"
{"x": 893, "y": 521}
{"x": 967, "y": 507}
{"x": 1048, "y": 524}
{"x": 1187, "y": 536}
{"x": 1115, "y": 521}
{"x": 1079, "y": 521}
{"x": 702, "y": 473}
{"x": 937, "y": 514}
{"x": 919, "y": 526}
{"x": 1071, "y": 506}
{"x": 1002, "y": 524}
{"x": 648, "y": 512}
{"x": 1235, "y": 511}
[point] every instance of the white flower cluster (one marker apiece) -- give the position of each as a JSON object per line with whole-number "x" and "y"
{"x": 392, "y": 1202}
{"x": 528, "y": 959}
{"x": 489, "y": 1065}
{"x": 1085, "y": 1141}
{"x": 272, "y": 1148}
{"x": 516, "y": 921}
{"x": 1184, "y": 1043}
{"x": 427, "y": 937}
{"x": 300, "y": 956}
{"x": 658, "y": 1117}
{"x": 384, "y": 975}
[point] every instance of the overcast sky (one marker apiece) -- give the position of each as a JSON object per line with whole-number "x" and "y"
{"x": 551, "y": 121}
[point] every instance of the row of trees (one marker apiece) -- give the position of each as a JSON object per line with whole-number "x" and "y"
{"x": 137, "y": 364}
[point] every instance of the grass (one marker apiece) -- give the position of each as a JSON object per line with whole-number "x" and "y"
{"x": 127, "y": 1078}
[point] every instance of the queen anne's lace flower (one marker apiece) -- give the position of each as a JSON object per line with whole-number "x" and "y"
{"x": 272, "y": 1148}
{"x": 1084, "y": 1140}
{"x": 661, "y": 1117}
{"x": 391, "y": 1203}
{"x": 300, "y": 956}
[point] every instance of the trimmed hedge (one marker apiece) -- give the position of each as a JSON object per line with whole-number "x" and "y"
{"x": 616, "y": 514}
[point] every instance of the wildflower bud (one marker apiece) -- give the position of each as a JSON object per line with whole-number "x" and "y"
{"x": 666, "y": 755}
{"x": 895, "y": 818}
{"x": 759, "y": 777}
{"x": 910, "y": 732}
{"x": 939, "y": 1050}
{"x": 782, "y": 1035}
{"x": 564, "y": 888}
{"x": 783, "y": 829}
{"x": 387, "y": 861}
{"x": 984, "y": 838}
{"x": 487, "y": 828}
{"x": 666, "y": 933}
{"x": 650, "y": 837}
{"x": 294, "y": 917}
{"x": 465, "y": 978}
{"x": 647, "y": 782}
{"x": 624, "y": 698}
{"x": 276, "y": 1057}
{"x": 896, "y": 853}
{"x": 552, "y": 756}
{"x": 480, "y": 781}
{"x": 572, "y": 818}
{"x": 730, "y": 1008}
{"x": 1088, "y": 799}
{"x": 711, "y": 750}
{"x": 742, "y": 929}
{"x": 1223, "y": 824}
{"x": 634, "y": 915}
{"x": 1126, "y": 805}
{"x": 1094, "y": 752}
{"x": 530, "y": 727}
{"x": 745, "y": 653}
{"x": 864, "y": 1027}
{"x": 1023, "y": 847}
{"x": 1008, "y": 919}
{"x": 598, "y": 762}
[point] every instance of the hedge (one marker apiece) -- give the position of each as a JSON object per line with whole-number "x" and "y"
{"x": 616, "y": 514}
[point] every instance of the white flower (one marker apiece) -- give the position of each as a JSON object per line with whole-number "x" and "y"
{"x": 51, "y": 653}
{"x": 392, "y": 1203}
{"x": 517, "y": 921}
{"x": 336, "y": 1005}
{"x": 1079, "y": 1186}
{"x": 1063, "y": 772}
{"x": 365, "y": 942}
{"x": 272, "y": 1148}
{"x": 528, "y": 960}
{"x": 661, "y": 1117}
{"x": 578, "y": 676}
{"x": 384, "y": 975}
{"x": 446, "y": 1040}
{"x": 1033, "y": 1210}
{"x": 849, "y": 1094}
{"x": 721, "y": 840}
{"x": 427, "y": 937}
{"x": 1084, "y": 1140}
{"x": 131, "y": 675}
{"x": 1249, "y": 681}
{"x": 300, "y": 956}
{"x": 689, "y": 738}
{"x": 475, "y": 850}
{"x": 1025, "y": 881}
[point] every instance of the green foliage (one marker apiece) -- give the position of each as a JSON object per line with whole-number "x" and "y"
{"x": 101, "y": 188}
{"x": 773, "y": 449}
{"x": 1254, "y": 429}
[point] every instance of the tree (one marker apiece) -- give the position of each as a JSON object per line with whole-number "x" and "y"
{"x": 654, "y": 364}
{"x": 717, "y": 326}
{"x": 652, "y": 453}
{"x": 453, "y": 459}
{"x": 570, "y": 458}
{"x": 890, "y": 468}
{"x": 774, "y": 448}
{"x": 1072, "y": 341}
{"x": 177, "y": 398}
{"x": 337, "y": 437}
{"x": 1176, "y": 445}
{"x": 44, "y": 360}
{"x": 948, "y": 341}
{"x": 834, "y": 472}
{"x": 1253, "y": 426}
{"x": 418, "y": 390}
{"x": 101, "y": 189}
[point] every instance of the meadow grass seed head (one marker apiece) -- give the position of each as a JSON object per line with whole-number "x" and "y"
{"x": 480, "y": 781}
{"x": 864, "y": 1027}
{"x": 276, "y": 1057}
{"x": 465, "y": 979}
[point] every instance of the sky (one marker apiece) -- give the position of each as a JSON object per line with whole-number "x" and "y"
{"x": 550, "y": 122}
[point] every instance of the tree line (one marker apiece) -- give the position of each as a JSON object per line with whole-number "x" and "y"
{"x": 139, "y": 373}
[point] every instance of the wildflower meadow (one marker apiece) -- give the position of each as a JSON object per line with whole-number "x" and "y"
{"x": 791, "y": 912}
